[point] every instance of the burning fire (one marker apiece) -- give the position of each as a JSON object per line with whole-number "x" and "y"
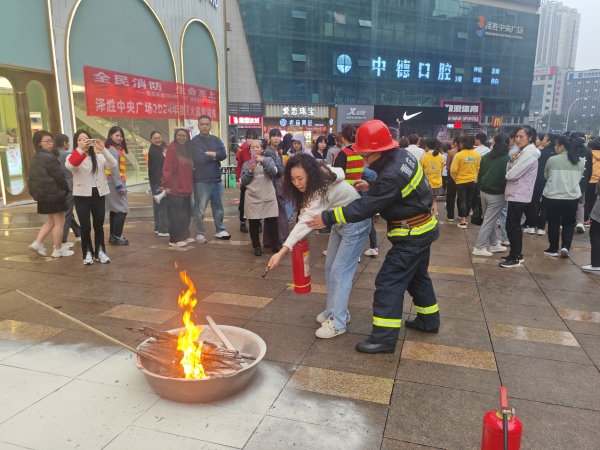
{"x": 192, "y": 350}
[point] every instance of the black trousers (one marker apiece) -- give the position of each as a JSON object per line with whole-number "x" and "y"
{"x": 450, "y": 198}
{"x": 161, "y": 217}
{"x": 270, "y": 226}
{"x": 590, "y": 200}
{"x": 535, "y": 214}
{"x": 404, "y": 269}
{"x": 85, "y": 206}
{"x": 513, "y": 228}
{"x": 465, "y": 193}
{"x": 117, "y": 222}
{"x": 70, "y": 221}
{"x": 241, "y": 205}
{"x": 595, "y": 241}
{"x": 180, "y": 216}
{"x": 560, "y": 212}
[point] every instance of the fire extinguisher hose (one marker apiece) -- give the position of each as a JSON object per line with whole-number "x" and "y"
{"x": 505, "y": 428}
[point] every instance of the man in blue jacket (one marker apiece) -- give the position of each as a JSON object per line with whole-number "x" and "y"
{"x": 208, "y": 151}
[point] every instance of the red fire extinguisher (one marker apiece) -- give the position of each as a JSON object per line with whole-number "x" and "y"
{"x": 502, "y": 430}
{"x": 301, "y": 267}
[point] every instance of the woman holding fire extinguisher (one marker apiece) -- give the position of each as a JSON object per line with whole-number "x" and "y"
{"x": 313, "y": 188}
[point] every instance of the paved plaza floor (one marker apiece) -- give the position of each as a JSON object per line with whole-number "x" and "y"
{"x": 534, "y": 329}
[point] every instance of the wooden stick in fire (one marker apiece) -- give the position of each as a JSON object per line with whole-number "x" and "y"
{"x": 161, "y": 362}
{"x": 222, "y": 336}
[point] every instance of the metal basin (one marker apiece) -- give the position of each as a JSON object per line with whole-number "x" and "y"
{"x": 207, "y": 389}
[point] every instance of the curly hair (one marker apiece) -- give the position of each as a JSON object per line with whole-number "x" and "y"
{"x": 318, "y": 179}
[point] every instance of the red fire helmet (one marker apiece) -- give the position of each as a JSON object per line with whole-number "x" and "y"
{"x": 373, "y": 136}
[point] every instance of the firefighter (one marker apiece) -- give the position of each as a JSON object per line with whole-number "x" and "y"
{"x": 402, "y": 196}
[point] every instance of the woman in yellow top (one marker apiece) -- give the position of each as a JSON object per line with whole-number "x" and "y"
{"x": 464, "y": 170}
{"x": 433, "y": 165}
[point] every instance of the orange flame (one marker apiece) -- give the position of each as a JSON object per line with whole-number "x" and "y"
{"x": 192, "y": 350}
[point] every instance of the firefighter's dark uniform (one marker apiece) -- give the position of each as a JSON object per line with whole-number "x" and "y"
{"x": 402, "y": 196}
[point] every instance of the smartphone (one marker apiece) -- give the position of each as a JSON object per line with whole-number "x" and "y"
{"x": 253, "y": 157}
{"x": 93, "y": 141}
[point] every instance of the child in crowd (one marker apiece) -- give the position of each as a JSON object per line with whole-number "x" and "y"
{"x": 260, "y": 201}
{"x": 433, "y": 166}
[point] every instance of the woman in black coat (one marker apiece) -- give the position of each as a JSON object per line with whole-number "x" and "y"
{"x": 48, "y": 186}
{"x": 156, "y": 160}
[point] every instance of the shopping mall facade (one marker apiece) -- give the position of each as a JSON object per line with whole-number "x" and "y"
{"x": 331, "y": 62}
{"x": 90, "y": 64}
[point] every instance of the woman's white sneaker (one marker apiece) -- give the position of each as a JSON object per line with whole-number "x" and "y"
{"x": 38, "y": 248}
{"x": 62, "y": 253}
{"x": 590, "y": 268}
{"x": 327, "y": 330}
{"x": 102, "y": 257}
{"x": 498, "y": 248}
{"x": 88, "y": 260}
{"x": 481, "y": 252}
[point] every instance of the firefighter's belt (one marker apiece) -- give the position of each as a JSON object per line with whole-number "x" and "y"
{"x": 409, "y": 224}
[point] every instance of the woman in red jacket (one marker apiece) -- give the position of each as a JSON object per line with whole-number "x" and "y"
{"x": 178, "y": 182}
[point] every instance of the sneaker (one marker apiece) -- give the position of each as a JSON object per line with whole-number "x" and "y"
{"x": 529, "y": 230}
{"x": 243, "y": 227}
{"x": 327, "y": 330}
{"x": 78, "y": 239}
{"x": 321, "y": 318}
{"x": 67, "y": 245}
{"x": 118, "y": 240}
{"x": 587, "y": 223}
{"x": 62, "y": 253}
{"x": 580, "y": 228}
{"x": 481, "y": 252}
{"x": 372, "y": 252}
{"x": 113, "y": 239}
{"x": 504, "y": 258}
{"x": 462, "y": 225}
{"x": 564, "y": 252}
{"x": 190, "y": 240}
{"x": 541, "y": 232}
{"x": 450, "y": 220}
{"x": 510, "y": 263}
{"x": 498, "y": 248}
{"x": 549, "y": 252}
{"x": 590, "y": 268}
{"x": 223, "y": 235}
{"x": 88, "y": 260}
{"x": 178, "y": 244}
{"x": 201, "y": 239}
{"x": 155, "y": 231}
{"x": 505, "y": 243}
{"x": 38, "y": 248}
{"x": 102, "y": 257}
{"x": 324, "y": 252}
{"x": 163, "y": 234}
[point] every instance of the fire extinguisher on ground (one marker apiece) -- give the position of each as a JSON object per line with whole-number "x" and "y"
{"x": 502, "y": 430}
{"x": 301, "y": 267}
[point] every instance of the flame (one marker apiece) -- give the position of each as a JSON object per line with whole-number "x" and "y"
{"x": 192, "y": 350}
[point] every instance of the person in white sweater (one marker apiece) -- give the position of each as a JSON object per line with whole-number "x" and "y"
{"x": 315, "y": 188}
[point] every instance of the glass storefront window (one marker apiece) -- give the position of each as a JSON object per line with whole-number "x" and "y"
{"x": 38, "y": 106}
{"x": 11, "y": 156}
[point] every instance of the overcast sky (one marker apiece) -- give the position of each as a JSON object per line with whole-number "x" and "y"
{"x": 588, "y": 56}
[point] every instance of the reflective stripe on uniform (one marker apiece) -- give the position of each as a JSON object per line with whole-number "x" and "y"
{"x": 428, "y": 309}
{"x": 339, "y": 215}
{"x": 414, "y": 182}
{"x": 399, "y": 232}
{"x": 387, "y": 323}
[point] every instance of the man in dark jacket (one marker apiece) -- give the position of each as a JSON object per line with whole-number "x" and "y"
{"x": 402, "y": 196}
{"x": 536, "y": 212}
{"x": 207, "y": 152}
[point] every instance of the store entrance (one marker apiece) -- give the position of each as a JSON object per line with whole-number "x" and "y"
{"x": 27, "y": 104}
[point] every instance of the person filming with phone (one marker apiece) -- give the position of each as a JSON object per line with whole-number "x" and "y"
{"x": 88, "y": 162}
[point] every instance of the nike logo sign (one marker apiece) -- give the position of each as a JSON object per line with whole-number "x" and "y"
{"x": 408, "y": 117}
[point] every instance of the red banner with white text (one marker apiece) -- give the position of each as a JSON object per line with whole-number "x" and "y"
{"x": 116, "y": 94}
